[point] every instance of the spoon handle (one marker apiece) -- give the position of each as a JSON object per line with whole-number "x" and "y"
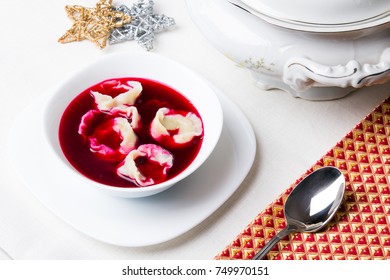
{"x": 268, "y": 246}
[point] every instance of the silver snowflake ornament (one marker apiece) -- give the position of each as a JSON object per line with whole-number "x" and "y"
{"x": 143, "y": 25}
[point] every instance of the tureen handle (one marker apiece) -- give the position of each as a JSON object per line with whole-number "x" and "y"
{"x": 302, "y": 73}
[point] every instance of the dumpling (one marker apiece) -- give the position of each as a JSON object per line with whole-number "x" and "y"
{"x": 112, "y": 138}
{"x": 173, "y": 128}
{"x": 122, "y": 104}
{"x": 147, "y": 165}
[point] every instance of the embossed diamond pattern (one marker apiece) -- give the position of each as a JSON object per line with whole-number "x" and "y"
{"x": 361, "y": 227}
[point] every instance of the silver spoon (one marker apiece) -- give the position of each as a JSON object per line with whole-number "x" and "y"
{"x": 311, "y": 204}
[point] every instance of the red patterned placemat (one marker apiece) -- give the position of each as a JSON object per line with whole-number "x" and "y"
{"x": 361, "y": 227}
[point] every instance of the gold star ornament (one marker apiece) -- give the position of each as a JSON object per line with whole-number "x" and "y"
{"x": 94, "y": 24}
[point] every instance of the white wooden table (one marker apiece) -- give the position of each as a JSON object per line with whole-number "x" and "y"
{"x": 291, "y": 133}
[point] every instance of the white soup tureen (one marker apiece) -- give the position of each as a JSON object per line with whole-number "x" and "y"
{"x": 317, "y": 50}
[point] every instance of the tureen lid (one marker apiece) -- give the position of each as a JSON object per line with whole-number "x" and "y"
{"x": 322, "y": 15}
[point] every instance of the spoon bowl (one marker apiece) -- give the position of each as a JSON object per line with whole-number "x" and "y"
{"x": 311, "y": 204}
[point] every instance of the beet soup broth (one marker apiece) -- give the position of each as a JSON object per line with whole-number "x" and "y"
{"x": 103, "y": 169}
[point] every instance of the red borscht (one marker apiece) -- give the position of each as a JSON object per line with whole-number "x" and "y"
{"x": 130, "y": 132}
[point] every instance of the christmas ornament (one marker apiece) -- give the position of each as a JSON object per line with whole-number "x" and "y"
{"x": 94, "y": 24}
{"x": 143, "y": 25}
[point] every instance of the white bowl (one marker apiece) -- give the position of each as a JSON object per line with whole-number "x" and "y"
{"x": 142, "y": 65}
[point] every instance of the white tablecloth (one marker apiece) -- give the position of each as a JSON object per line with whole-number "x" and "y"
{"x": 291, "y": 133}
